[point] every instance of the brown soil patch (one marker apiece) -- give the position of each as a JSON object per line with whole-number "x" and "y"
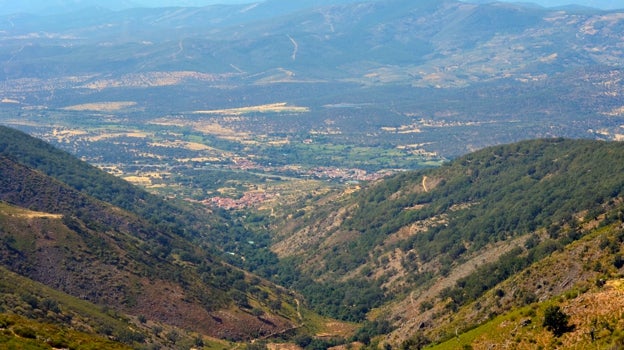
{"x": 337, "y": 329}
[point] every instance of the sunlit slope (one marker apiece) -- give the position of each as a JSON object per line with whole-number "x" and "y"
{"x": 70, "y": 241}
{"x": 446, "y": 236}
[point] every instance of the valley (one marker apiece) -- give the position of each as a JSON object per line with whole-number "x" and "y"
{"x": 344, "y": 174}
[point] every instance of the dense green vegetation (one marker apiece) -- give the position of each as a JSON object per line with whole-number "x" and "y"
{"x": 479, "y": 199}
{"x": 217, "y": 232}
{"x": 95, "y": 183}
{"x": 33, "y": 316}
{"x": 505, "y": 191}
{"x": 553, "y": 301}
{"x": 380, "y": 91}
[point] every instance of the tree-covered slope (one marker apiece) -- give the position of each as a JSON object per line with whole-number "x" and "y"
{"x": 455, "y": 231}
{"x": 54, "y": 234}
{"x": 81, "y": 176}
{"x": 214, "y": 230}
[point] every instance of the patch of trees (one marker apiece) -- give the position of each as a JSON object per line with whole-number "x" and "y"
{"x": 556, "y": 321}
{"x": 347, "y": 300}
{"x": 166, "y": 216}
{"x": 165, "y": 223}
{"x": 371, "y": 329}
{"x": 488, "y": 196}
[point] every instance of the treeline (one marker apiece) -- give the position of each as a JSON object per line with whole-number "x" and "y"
{"x": 349, "y": 300}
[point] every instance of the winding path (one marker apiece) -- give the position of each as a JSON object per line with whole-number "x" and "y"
{"x": 296, "y": 47}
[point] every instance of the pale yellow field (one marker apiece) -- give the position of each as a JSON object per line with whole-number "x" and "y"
{"x": 25, "y": 213}
{"x": 137, "y": 134}
{"x": 211, "y": 128}
{"x": 205, "y": 127}
{"x": 403, "y": 129}
{"x": 280, "y": 107}
{"x": 101, "y": 106}
{"x": 616, "y": 112}
{"x": 193, "y": 146}
{"x": 64, "y": 135}
{"x": 139, "y": 180}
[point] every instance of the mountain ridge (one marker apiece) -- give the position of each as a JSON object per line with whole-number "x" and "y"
{"x": 50, "y": 7}
{"x": 96, "y": 251}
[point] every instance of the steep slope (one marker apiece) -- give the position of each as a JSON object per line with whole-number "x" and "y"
{"x": 583, "y": 279}
{"x": 96, "y": 251}
{"x": 89, "y": 180}
{"x": 455, "y": 232}
{"x": 38, "y": 317}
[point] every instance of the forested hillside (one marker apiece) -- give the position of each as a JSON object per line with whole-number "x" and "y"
{"x": 93, "y": 182}
{"x": 64, "y": 238}
{"x": 215, "y": 230}
{"x": 449, "y": 235}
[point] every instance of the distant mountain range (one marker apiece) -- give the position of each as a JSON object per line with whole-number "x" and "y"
{"x": 550, "y": 71}
{"x": 599, "y": 4}
{"x": 62, "y": 6}
{"x": 316, "y": 40}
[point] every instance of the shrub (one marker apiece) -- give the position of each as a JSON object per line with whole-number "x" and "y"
{"x": 25, "y": 332}
{"x": 556, "y": 321}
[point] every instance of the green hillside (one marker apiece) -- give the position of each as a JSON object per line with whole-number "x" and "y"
{"x": 450, "y": 235}
{"x": 34, "y": 316}
{"x": 214, "y": 230}
{"x": 93, "y": 182}
{"x": 582, "y": 279}
{"x": 66, "y": 239}
{"x": 292, "y": 175}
